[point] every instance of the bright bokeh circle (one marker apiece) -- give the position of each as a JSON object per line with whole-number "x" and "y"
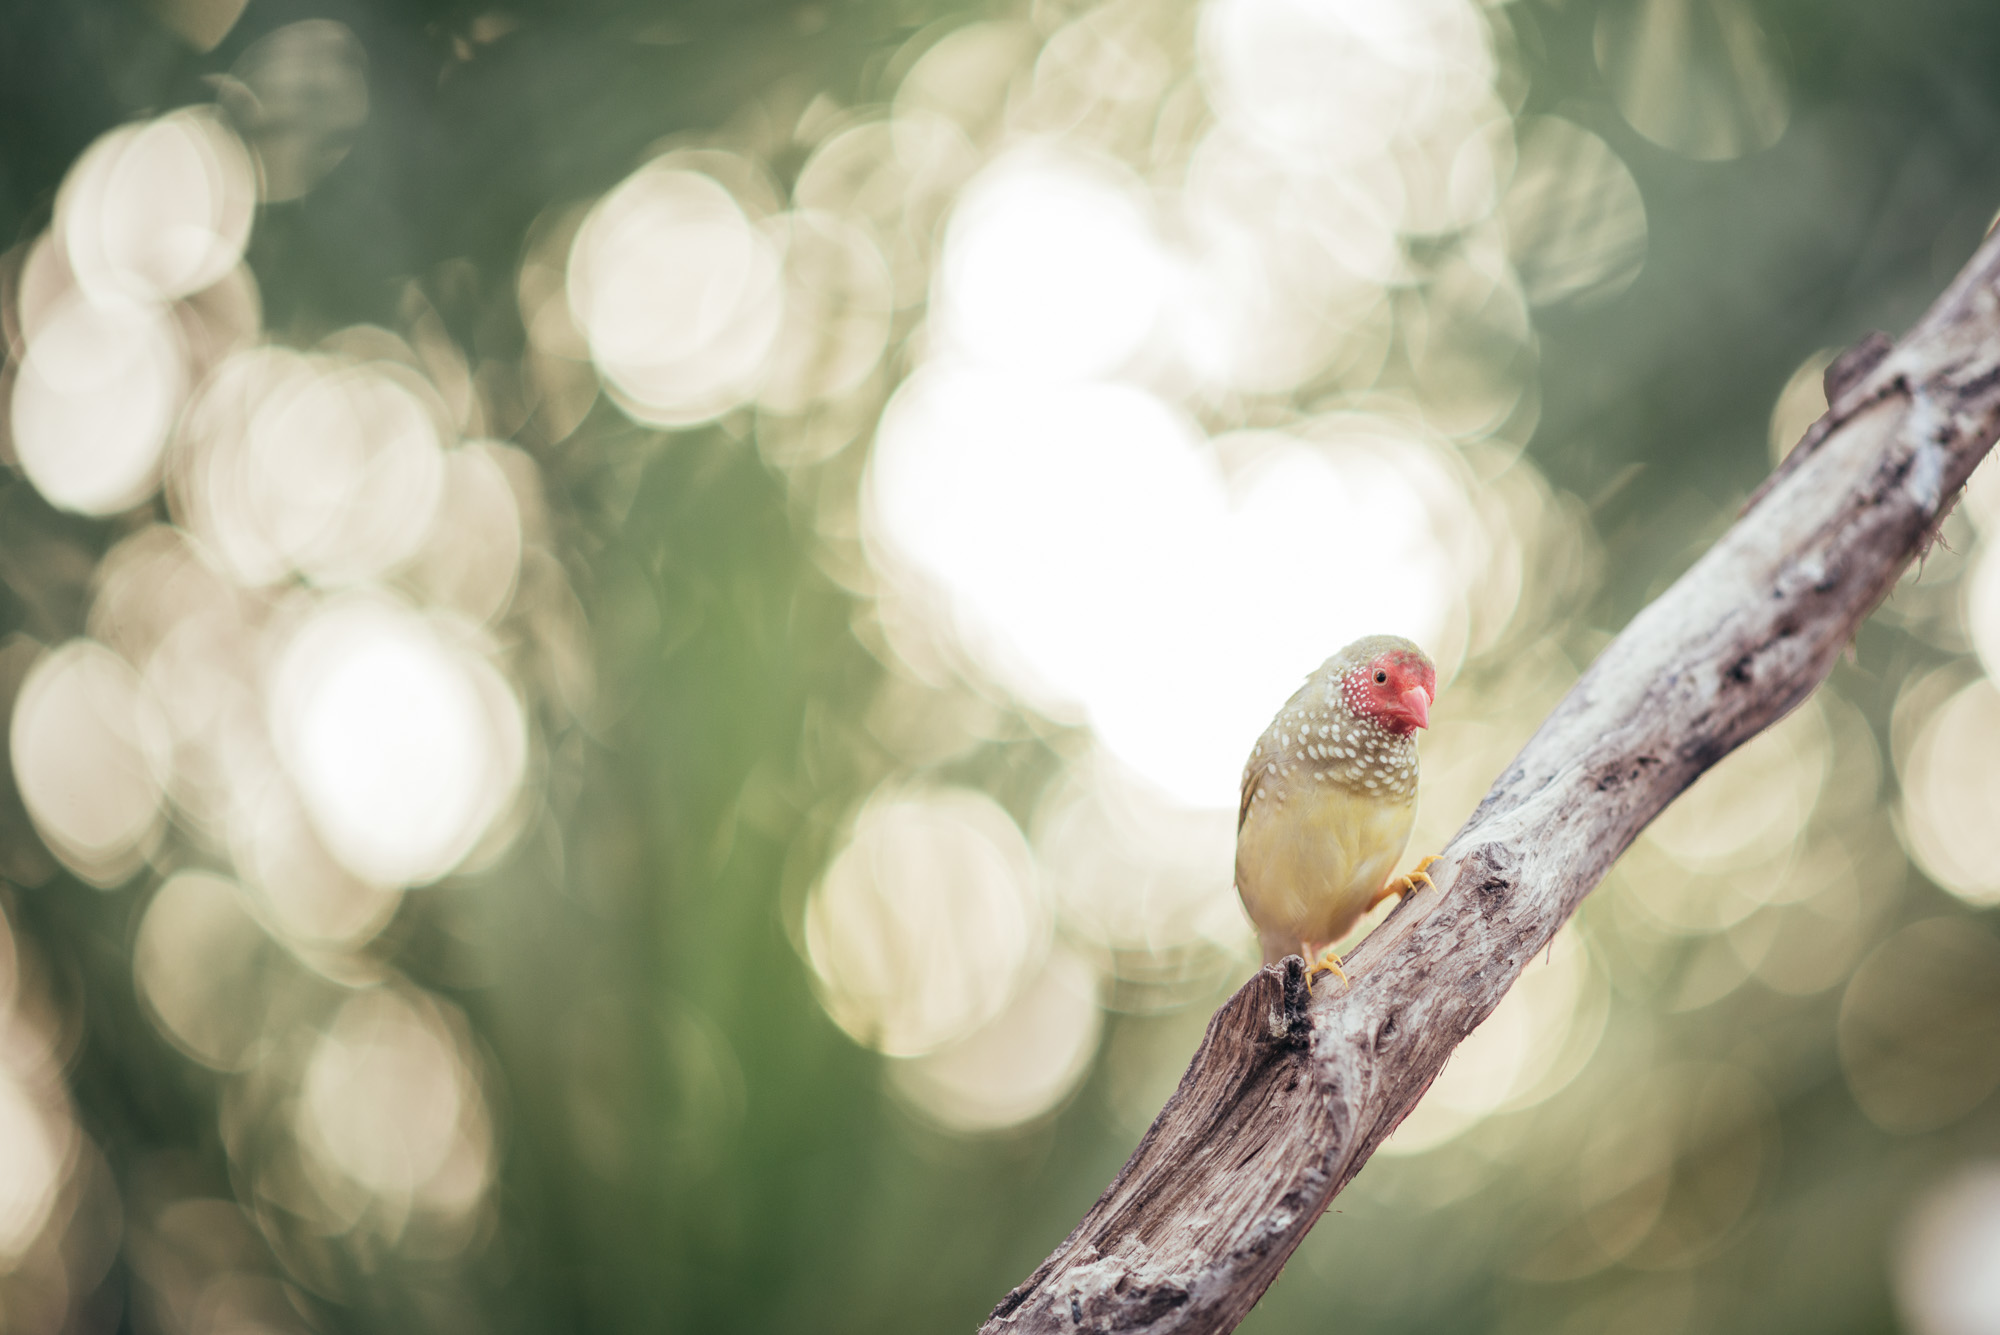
{"x": 679, "y": 294}
{"x": 1018, "y": 1065}
{"x": 1333, "y": 81}
{"x": 405, "y": 745}
{"x": 90, "y": 755}
{"x": 1531, "y": 1046}
{"x": 1097, "y": 555}
{"x": 198, "y": 953}
{"x": 33, "y": 1156}
{"x": 926, "y": 921}
{"x": 158, "y": 210}
{"x": 96, "y": 398}
{"x": 1051, "y": 267}
{"x": 1951, "y": 788}
{"x": 293, "y": 462}
{"x": 1948, "y": 1268}
{"x": 386, "y": 1095}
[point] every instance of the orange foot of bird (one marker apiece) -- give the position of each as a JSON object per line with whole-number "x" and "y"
{"x": 1403, "y": 885}
{"x": 1326, "y": 963}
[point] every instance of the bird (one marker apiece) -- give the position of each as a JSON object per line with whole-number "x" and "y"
{"x": 1329, "y": 796}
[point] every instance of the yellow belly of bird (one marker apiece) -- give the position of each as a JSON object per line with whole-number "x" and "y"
{"x": 1308, "y": 867}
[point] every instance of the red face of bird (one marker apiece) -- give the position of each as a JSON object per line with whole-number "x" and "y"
{"x": 1395, "y": 689}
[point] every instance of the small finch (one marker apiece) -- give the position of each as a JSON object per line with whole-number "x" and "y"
{"x": 1329, "y": 796}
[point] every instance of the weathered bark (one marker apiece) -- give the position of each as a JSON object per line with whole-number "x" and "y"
{"x": 1289, "y": 1094}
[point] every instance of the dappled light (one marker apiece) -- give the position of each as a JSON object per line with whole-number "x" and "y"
{"x": 679, "y": 294}
{"x": 295, "y": 463}
{"x": 199, "y": 952}
{"x": 1800, "y": 403}
{"x": 1576, "y": 224}
{"x": 46, "y": 1163}
{"x": 300, "y": 93}
{"x": 290, "y": 696}
{"x": 1136, "y": 873}
{"x": 928, "y": 920}
{"x": 1050, "y": 268}
{"x": 390, "y": 1107}
{"x": 1699, "y": 77}
{"x": 1526, "y": 1051}
{"x": 159, "y": 210}
{"x": 1018, "y": 1065}
{"x": 405, "y": 747}
{"x": 1950, "y": 787}
{"x": 1907, "y": 1074}
{"x": 1328, "y": 82}
{"x": 96, "y": 397}
{"x": 627, "y": 647}
{"x": 1945, "y": 1281}
{"x": 88, "y": 751}
{"x": 1163, "y": 585}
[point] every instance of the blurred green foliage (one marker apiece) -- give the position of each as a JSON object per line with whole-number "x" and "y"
{"x": 629, "y": 971}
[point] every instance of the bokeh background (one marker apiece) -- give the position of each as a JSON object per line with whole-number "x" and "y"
{"x": 627, "y": 631}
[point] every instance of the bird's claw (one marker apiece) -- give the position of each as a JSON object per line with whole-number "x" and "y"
{"x": 1327, "y": 963}
{"x": 1407, "y": 885}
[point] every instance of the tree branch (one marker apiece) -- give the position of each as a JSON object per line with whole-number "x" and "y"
{"x": 1289, "y": 1095}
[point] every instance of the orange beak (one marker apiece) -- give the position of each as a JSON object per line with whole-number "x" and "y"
{"x": 1416, "y": 704}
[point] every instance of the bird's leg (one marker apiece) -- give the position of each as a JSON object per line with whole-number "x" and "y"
{"x": 1329, "y": 962}
{"x": 1403, "y": 885}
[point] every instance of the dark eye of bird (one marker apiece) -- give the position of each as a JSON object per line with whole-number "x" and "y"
{"x": 1381, "y": 676}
